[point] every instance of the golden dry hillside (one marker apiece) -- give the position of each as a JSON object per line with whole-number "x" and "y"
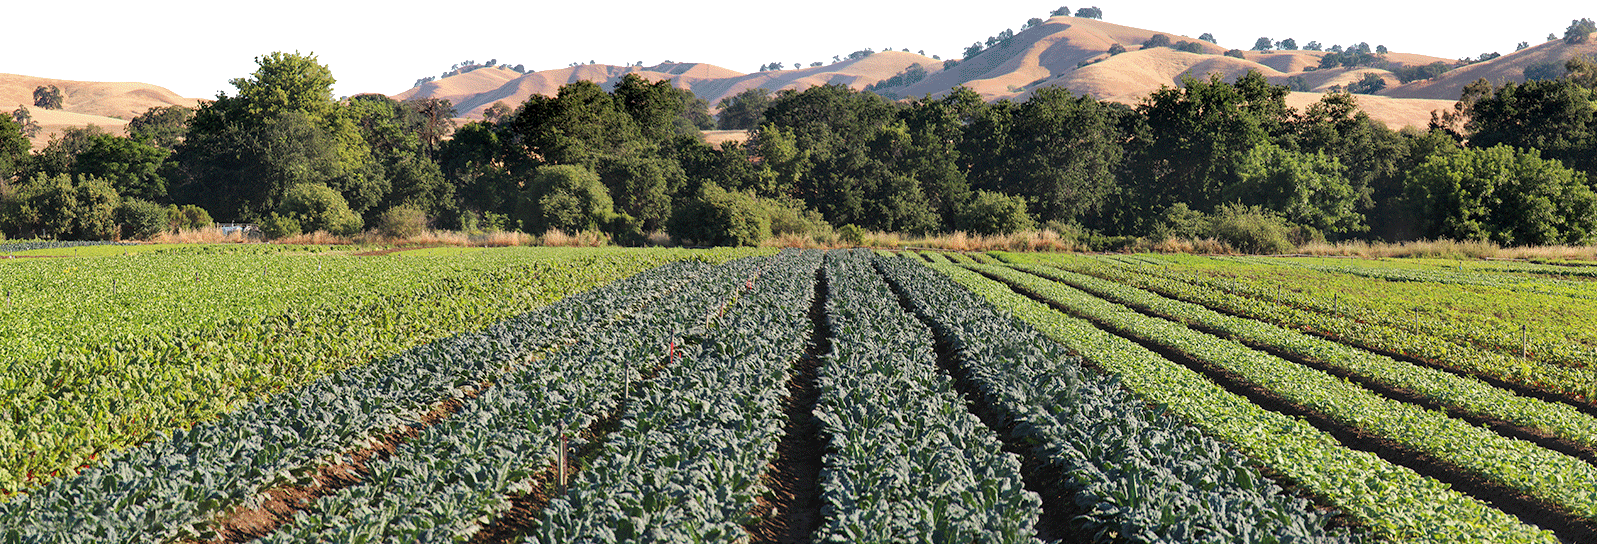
{"x": 1510, "y": 67}
{"x": 106, "y": 105}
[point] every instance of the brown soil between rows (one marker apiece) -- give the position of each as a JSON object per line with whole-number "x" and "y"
{"x": 1528, "y": 509}
{"x": 279, "y": 505}
{"x": 792, "y": 512}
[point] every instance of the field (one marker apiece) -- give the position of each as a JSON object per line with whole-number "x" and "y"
{"x": 314, "y": 394}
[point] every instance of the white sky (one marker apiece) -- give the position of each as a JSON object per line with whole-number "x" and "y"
{"x": 194, "y": 47}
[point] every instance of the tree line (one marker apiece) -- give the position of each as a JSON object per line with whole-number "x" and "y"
{"x": 1211, "y": 158}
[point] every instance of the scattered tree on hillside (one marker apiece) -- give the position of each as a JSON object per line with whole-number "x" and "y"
{"x": 1190, "y": 47}
{"x": 1544, "y": 71}
{"x": 1288, "y": 44}
{"x": 1371, "y": 83}
{"x": 1296, "y": 83}
{"x": 24, "y": 120}
{"x": 1062, "y": 11}
{"x": 1156, "y": 40}
{"x": 1551, "y": 36}
{"x": 816, "y": 64}
{"x": 1313, "y": 46}
{"x": 1263, "y": 44}
{"x": 974, "y": 49}
{"x": 1579, "y": 31}
{"x": 1034, "y": 21}
{"x": 1522, "y": 46}
{"x": 47, "y": 97}
{"x": 1235, "y": 53}
{"x": 1090, "y": 13}
{"x": 1207, "y": 37}
{"x": 1381, "y": 50}
{"x": 1407, "y": 74}
{"x": 1116, "y": 49}
{"x": 497, "y": 113}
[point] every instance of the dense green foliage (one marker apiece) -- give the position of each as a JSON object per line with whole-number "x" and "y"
{"x": 852, "y": 157}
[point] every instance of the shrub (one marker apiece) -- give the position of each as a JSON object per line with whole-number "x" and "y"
{"x": 718, "y": 217}
{"x": 404, "y": 221}
{"x": 318, "y": 207}
{"x": 1251, "y": 229}
{"x": 140, "y": 219}
{"x": 279, "y": 226}
{"x": 187, "y": 217}
{"x": 565, "y": 197}
{"x": 851, "y": 234}
{"x": 991, "y": 212}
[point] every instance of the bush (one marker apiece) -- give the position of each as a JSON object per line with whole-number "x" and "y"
{"x": 790, "y": 218}
{"x": 62, "y": 207}
{"x": 851, "y": 234}
{"x": 317, "y": 207}
{"x": 625, "y": 230}
{"x": 140, "y": 219}
{"x": 564, "y": 197}
{"x": 995, "y": 213}
{"x": 187, "y": 217}
{"x": 718, "y": 217}
{"x": 279, "y": 226}
{"x": 1251, "y": 229}
{"x": 404, "y": 221}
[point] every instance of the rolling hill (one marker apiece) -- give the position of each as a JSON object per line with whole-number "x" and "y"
{"x": 1067, "y": 52}
{"x": 106, "y": 105}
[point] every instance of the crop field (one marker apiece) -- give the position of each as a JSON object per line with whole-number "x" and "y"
{"x": 310, "y": 394}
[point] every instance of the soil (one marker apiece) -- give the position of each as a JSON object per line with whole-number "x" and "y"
{"x": 792, "y": 512}
{"x": 1057, "y": 521}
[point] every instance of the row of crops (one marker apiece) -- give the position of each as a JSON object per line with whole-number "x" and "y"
{"x": 97, "y": 354}
{"x": 619, "y": 396}
{"x": 1500, "y": 448}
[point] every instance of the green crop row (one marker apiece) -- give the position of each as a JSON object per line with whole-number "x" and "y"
{"x": 441, "y": 485}
{"x": 177, "y": 485}
{"x": 1394, "y": 502}
{"x": 1575, "y": 383}
{"x": 686, "y": 461}
{"x": 906, "y": 461}
{"x": 62, "y": 411}
{"x": 1464, "y": 394}
{"x": 1549, "y": 476}
{"x": 1140, "y": 476}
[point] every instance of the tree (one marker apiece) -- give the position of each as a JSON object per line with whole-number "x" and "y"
{"x": 1371, "y": 83}
{"x": 1207, "y": 37}
{"x": 1288, "y": 44}
{"x": 47, "y": 97}
{"x": 1503, "y": 195}
{"x": 14, "y": 148}
{"x": 1263, "y": 44}
{"x": 1381, "y": 49}
{"x": 1062, "y": 11}
{"x": 717, "y": 217}
{"x": 1305, "y": 188}
{"x": 642, "y": 187}
{"x": 62, "y": 207}
{"x": 61, "y": 153}
{"x": 994, "y": 213}
{"x": 1579, "y": 31}
{"x": 164, "y": 126}
{"x": 564, "y": 197}
{"x": 317, "y": 207}
{"x": 1034, "y": 21}
{"x": 1312, "y": 46}
{"x": 1116, "y": 49}
{"x": 1190, "y": 47}
{"x": 1543, "y": 71}
{"x": 437, "y": 121}
{"x": 1297, "y": 84}
{"x": 1090, "y": 13}
{"x": 974, "y": 49}
{"x": 497, "y": 113}
{"x": 1156, "y": 40}
{"x": 1555, "y": 117}
{"x": 281, "y": 129}
{"x": 131, "y": 166}
{"x": 139, "y": 219}
{"x": 1236, "y": 53}
{"x": 24, "y": 120}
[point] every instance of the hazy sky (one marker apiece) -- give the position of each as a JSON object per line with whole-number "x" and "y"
{"x": 194, "y": 47}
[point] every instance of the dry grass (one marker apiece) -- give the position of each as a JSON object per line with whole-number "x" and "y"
{"x": 1448, "y": 249}
{"x": 587, "y": 238}
{"x": 209, "y": 235}
{"x": 1038, "y": 240}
